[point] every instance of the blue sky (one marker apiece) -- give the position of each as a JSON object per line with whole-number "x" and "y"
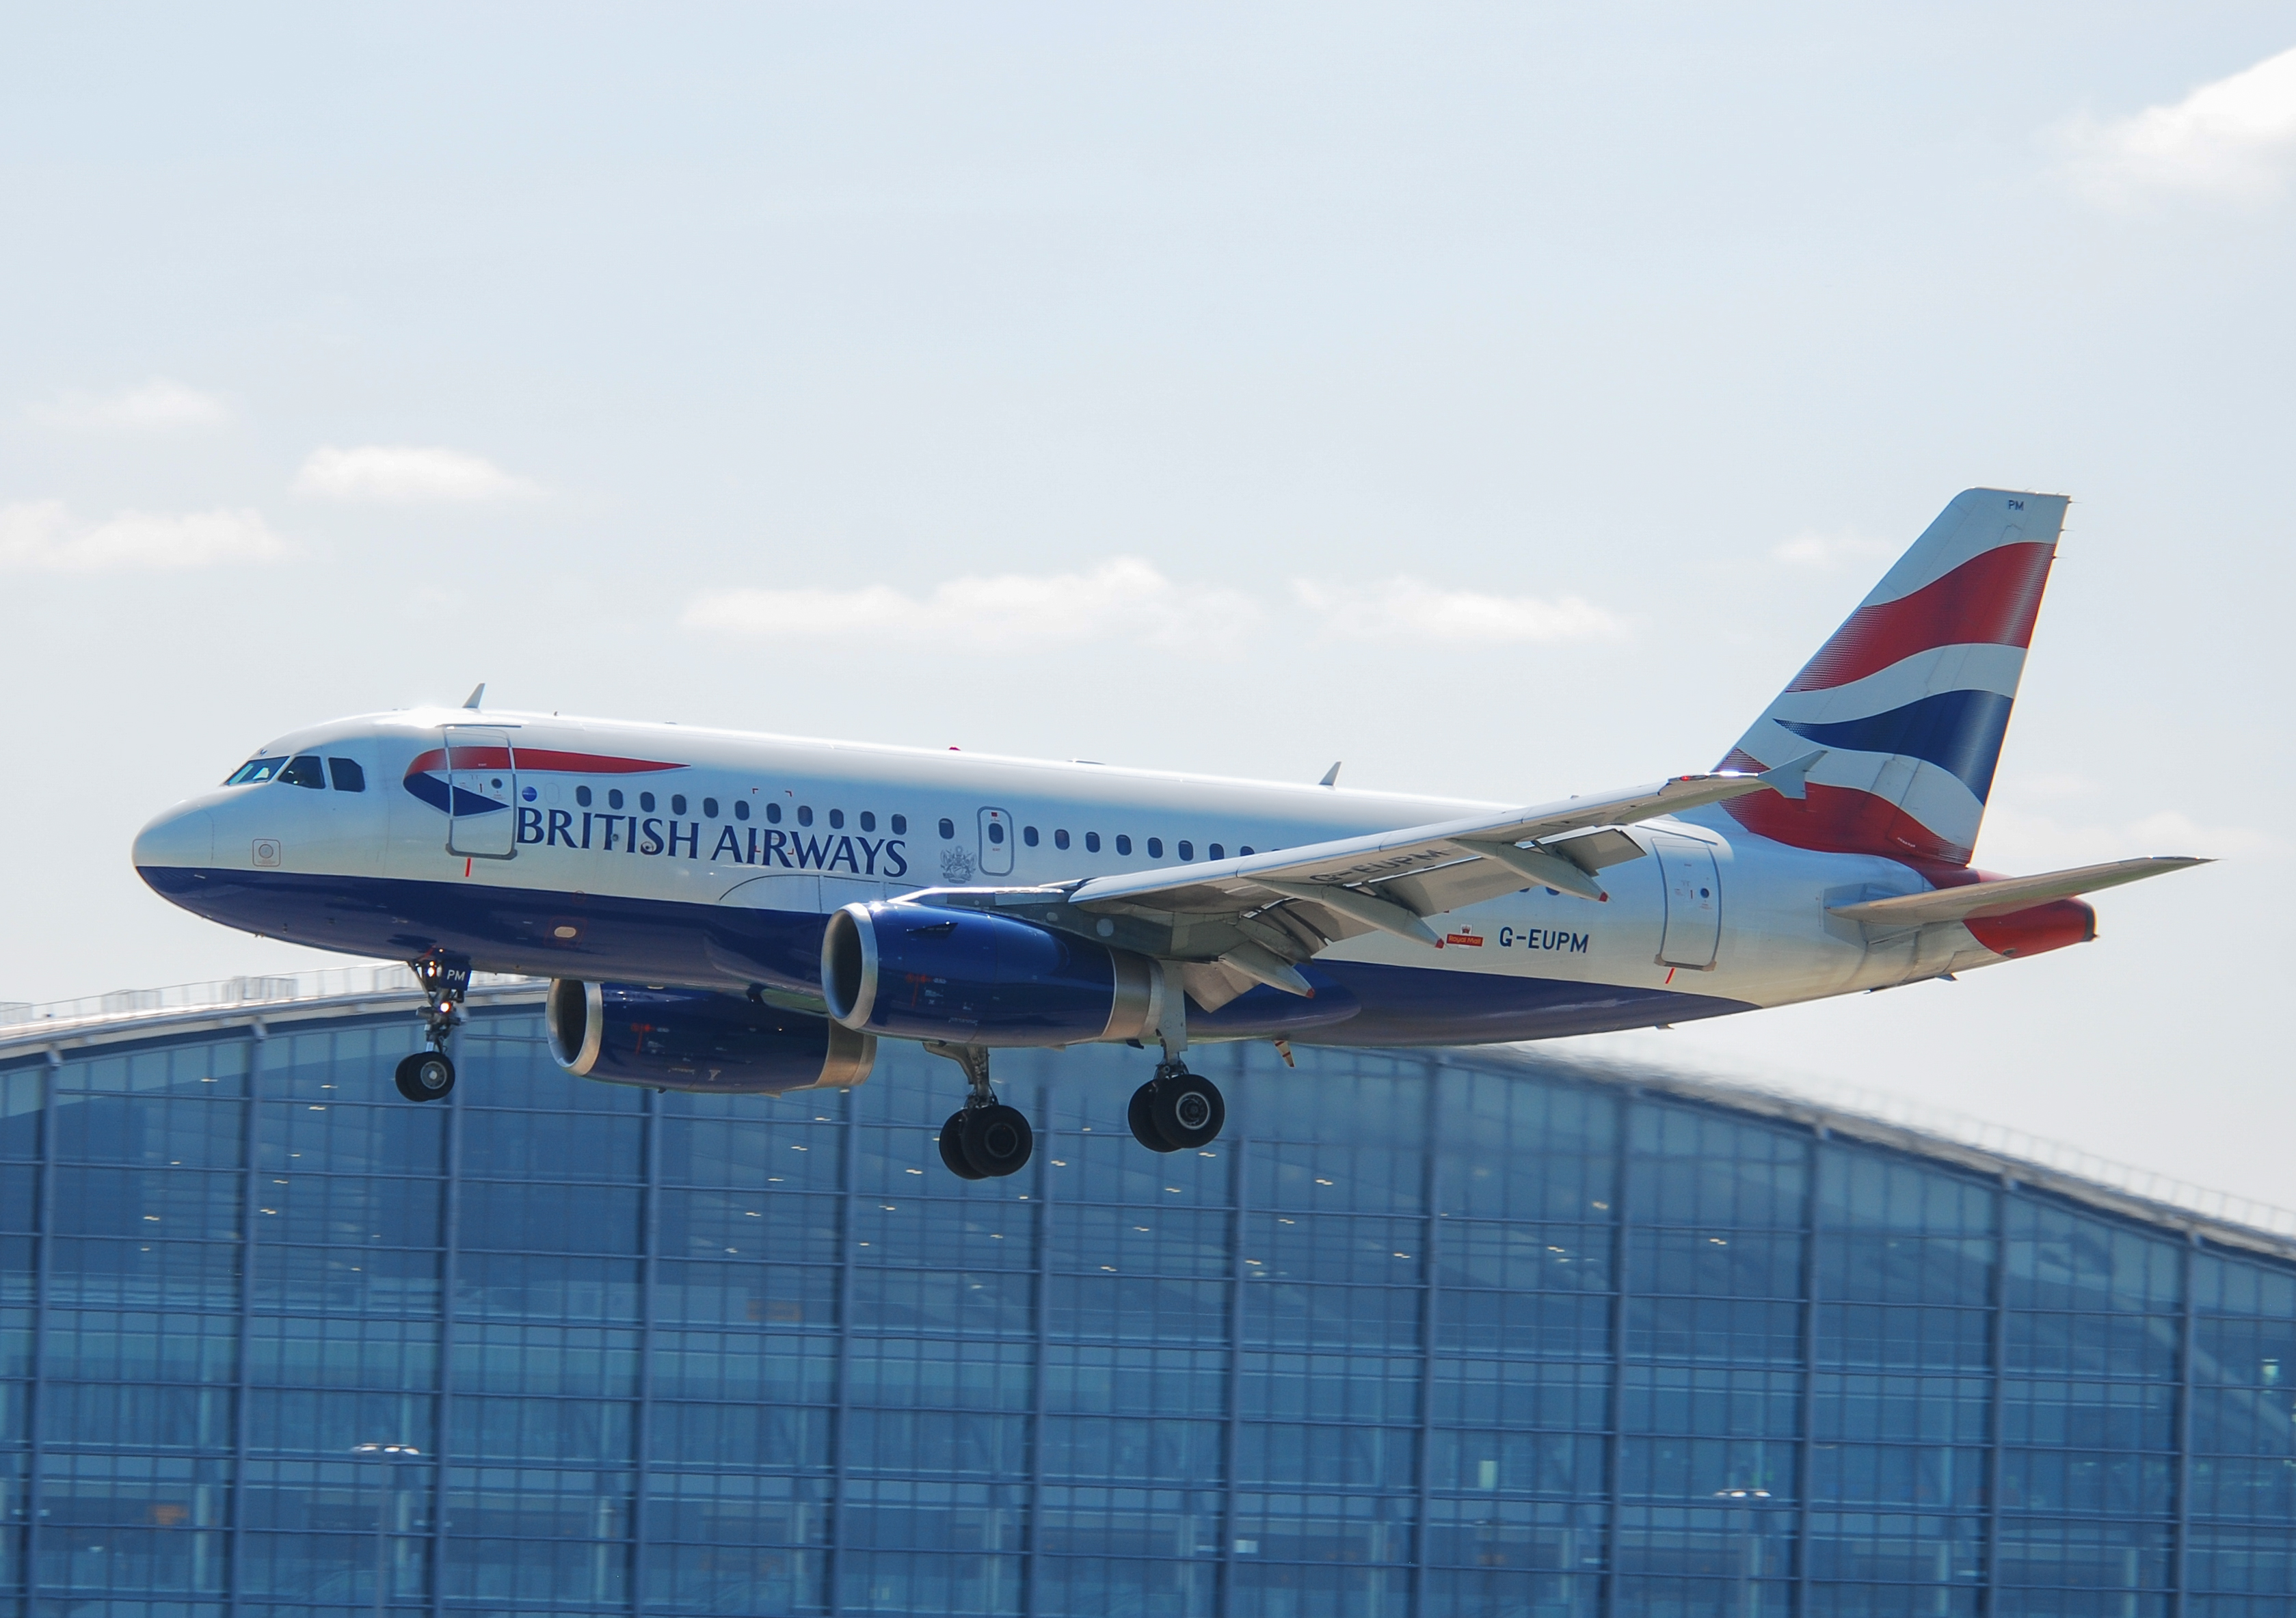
{"x": 1505, "y": 400}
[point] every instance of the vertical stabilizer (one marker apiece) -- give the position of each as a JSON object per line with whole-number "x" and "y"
{"x": 1911, "y": 695}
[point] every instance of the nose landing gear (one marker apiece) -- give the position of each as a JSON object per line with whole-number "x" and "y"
{"x": 984, "y": 1139}
{"x": 428, "y": 1074}
{"x": 1177, "y": 1110}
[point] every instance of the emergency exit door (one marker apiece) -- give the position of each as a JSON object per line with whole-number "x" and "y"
{"x": 481, "y": 793}
{"x": 1693, "y": 902}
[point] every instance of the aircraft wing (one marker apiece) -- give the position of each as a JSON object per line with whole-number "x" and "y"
{"x": 1253, "y": 919}
{"x": 1978, "y": 900}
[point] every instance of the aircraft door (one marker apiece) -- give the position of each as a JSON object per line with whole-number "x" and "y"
{"x": 996, "y": 843}
{"x": 482, "y": 787}
{"x": 1693, "y": 902}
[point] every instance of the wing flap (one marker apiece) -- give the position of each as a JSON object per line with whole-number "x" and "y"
{"x": 2007, "y": 896}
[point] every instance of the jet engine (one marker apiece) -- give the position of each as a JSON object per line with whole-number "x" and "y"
{"x": 973, "y": 977}
{"x": 690, "y": 1038}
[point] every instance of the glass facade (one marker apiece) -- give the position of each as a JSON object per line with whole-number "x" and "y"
{"x": 1421, "y": 1333}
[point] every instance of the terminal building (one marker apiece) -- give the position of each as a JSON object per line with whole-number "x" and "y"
{"x": 1423, "y": 1335}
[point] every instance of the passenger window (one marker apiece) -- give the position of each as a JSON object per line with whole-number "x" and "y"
{"x": 900, "y": 825}
{"x": 1059, "y": 839}
{"x": 678, "y": 803}
{"x": 1215, "y": 852}
{"x": 1187, "y": 849}
{"x": 1092, "y": 842}
{"x": 868, "y": 821}
{"x": 804, "y": 814}
{"x": 996, "y": 832}
{"x": 303, "y": 771}
{"x": 774, "y": 813}
{"x": 709, "y": 808}
{"x": 582, "y": 797}
{"x": 837, "y": 819}
{"x": 347, "y": 774}
{"x": 947, "y": 829}
{"x": 741, "y": 808}
{"x": 645, "y": 802}
{"x": 614, "y": 797}
{"x": 1155, "y": 848}
{"x": 1123, "y": 844}
{"x": 1028, "y": 836}
{"x": 1243, "y": 850}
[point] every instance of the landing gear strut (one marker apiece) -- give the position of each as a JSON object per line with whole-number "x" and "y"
{"x": 984, "y": 1139}
{"x": 1177, "y": 1110}
{"x": 428, "y": 1074}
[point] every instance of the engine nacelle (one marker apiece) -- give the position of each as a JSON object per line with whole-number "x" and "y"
{"x": 974, "y": 978}
{"x": 690, "y": 1038}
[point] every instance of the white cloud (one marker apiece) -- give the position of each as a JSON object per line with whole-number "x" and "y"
{"x": 1127, "y": 600}
{"x": 2234, "y": 138}
{"x": 1408, "y": 607}
{"x": 1123, "y": 600}
{"x": 44, "y": 536}
{"x": 406, "y": 473}
{"x": 2016, "y": 842}
{"x": 1814, "y": 550}
{"x": 159, "y": 405}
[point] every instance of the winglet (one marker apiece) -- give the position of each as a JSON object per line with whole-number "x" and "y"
{"x": 478, "y": 695}
{"x": 1790, "y": 780}
{"x": 1331, "y": 775}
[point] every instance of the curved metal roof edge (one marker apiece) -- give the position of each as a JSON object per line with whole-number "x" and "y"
{"x": 53, "y": 1041}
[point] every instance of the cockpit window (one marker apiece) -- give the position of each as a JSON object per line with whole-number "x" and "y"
{"x": 304, "y": 770}
{"x": 253, "y": 771}
{"x": 348, "y": 777}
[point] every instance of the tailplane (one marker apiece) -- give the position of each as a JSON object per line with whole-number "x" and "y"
{"x": 1911, "y": 695}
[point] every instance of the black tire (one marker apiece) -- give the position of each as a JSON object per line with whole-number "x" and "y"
{"x": 952, "y": 1150}
{"x": 1141, "y": 1116}
{"x": 425, "y": 1076}
{"x": 1188, "y": 1110}
{"x": 997, "y": 1140}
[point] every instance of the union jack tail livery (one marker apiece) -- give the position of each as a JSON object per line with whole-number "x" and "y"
{"x": 1911, "y": 695}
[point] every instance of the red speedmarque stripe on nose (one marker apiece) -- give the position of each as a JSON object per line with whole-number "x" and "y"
{"x": 539, "y": 759}
{"x": 1988, "y": 600}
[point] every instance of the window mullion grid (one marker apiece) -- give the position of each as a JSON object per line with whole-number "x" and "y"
{"x": 1430, "y": 1191}
{"x": 250, "y": 1221}
{"x": 2180, "y": 1556}
{"x": 1807, "y": 1444}
{"x": 649, "y": 1276}
{"x": 449, "y": 1278}
{"x": 1998, "y": 1356}
{"x": 1033, "y": 1563}
{"x": 45, "y": 1220}
{"x": 847, "y": 1233}
{"x": 1231, "y": 1430}
{"x": 1614, "y": 1441}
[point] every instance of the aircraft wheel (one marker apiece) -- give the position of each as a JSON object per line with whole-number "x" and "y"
{"x": 1141, "y": 1116}
{"x": 425, "y": 1076}
{"x": 997, "y": 1140}
{"x": 1188, "y": 1110}
{"x": 952, "y": 1149}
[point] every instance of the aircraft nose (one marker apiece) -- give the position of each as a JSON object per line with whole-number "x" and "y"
{"x": 179, "y": 837}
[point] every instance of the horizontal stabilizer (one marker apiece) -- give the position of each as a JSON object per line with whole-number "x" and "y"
{"x": 1978, "y": 900}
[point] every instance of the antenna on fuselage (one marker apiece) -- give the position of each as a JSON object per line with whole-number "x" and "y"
{"x": 479, "y": 695}
{"x": 1331, "y": 776}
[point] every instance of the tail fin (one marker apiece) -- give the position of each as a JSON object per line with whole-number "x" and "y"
{"x": 1912, "y": 694}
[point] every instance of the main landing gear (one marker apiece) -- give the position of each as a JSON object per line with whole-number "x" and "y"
{"x": 428, "y": 1074}
{"x": 984, "y": 1139}
{"x": 1177, "y": 1110}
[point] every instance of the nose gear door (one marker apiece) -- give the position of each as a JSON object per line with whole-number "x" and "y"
{"x": 483, "y": 793}
{"x": 996, "y": 843}
{"x": 1693, "y": 902}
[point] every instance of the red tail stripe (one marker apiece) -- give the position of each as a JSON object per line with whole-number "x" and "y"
{"x": 1843, "y": 820}
{"x": 537, "y": 758}
{"x": 1990, "y": 599}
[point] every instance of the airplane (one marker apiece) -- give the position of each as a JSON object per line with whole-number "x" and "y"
{"x": 726, "y": 912}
